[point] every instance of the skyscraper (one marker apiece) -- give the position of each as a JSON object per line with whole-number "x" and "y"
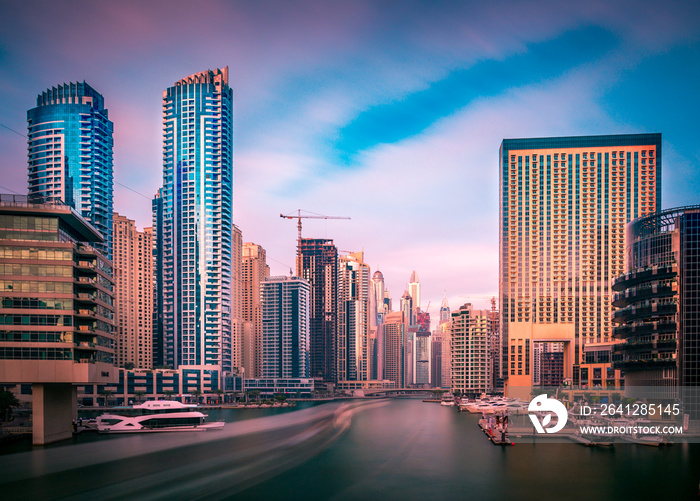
{"x": 70, "y": 154}
{"x": 378, "y": 311}
{"x": 195, "y": 211}
{"x": 285, "y": 327}
{"x": 319, "y": 266}
{"x": 353, "y": 318}
{"x": 133, "y": 293}
{"x": 255, "y": 271}
{"x": 414, "y": 291}
{"x": 658, "y": 308}
{"x": 394, "y": 344}
{"x": 564, "y": 205}
{"x": 471, "y": 358}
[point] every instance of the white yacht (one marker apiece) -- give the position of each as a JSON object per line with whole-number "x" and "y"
{"x": 448, "y": 399}
{"x": 156, "y": 415}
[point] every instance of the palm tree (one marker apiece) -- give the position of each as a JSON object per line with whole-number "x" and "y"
{"x": 219, "y": 392}
{"x": 7, "y": 402}
{"x": 196, "y": 394}
{"x": 138, "y": 395}
{"x": 168, "y": 394}
{"x": 105, "y": 396}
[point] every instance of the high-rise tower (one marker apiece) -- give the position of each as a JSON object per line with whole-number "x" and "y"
{"x": 353, "y": 318}
{"x": 133, "y": 293}
{"x": 255, "y": 270}
{"x": 196, "y": 218}
{"x": 414, "y": 291}
{"x": 285, "y": 327}
{"x": 564, "y": 205}
{"x": 319, "y": 266}
{"x": 70, "y": 154}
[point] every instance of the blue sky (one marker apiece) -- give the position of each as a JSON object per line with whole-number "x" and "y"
{"x": 390, "y": 113}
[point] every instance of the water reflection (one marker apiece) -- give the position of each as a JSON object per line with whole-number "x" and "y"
{"x": 392, "y": 449}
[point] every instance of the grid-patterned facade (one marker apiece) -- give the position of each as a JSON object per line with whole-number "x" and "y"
{"x": 564, "y": 205}
{"x": 196, "y": 211}
{"x": 470, "y": 354}
{"x": 56, "y": 304}
{"x": 393, "y": 331}
{"x": 254, "y": 272}
{"x": 70, "y": 154}
{"x": 318, "y": 264}
{"x": 133, "y": 293}
{"x": 285, "y": 327}
{"x": 353, "y": 318}
{"x": 658, "y": 303}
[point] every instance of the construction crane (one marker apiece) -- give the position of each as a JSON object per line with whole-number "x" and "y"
{"x": 299, "y": 217}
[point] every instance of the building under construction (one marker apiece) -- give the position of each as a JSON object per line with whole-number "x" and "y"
{"x": 317, "y": 262}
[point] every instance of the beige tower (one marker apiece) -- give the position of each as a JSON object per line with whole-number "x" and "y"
{"x": 133, "y": 293}
{"x": 254, "y": 271}
{"x": 470, "y": 355}
{"x": 564, "y": 205}
{"x": 353, "y": 317}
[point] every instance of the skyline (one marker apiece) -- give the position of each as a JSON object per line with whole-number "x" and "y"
{"x": 367, "y": 110}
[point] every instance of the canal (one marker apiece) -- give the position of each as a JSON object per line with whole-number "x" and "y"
{"x": 388, "y": 449}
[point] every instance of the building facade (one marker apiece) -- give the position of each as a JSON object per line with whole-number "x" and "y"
{"x": 658, "y": 307}
{"x": 353, "y": 318}
{"x": 378, "y": 311}
{"x": 70, "y": 154}
{"x": 318, "y": 264}
{"x": 254, "y": 272}
{"x": 195, "y": 211}
{"x": 422, "y": 358}
{"x": 56, "y": 310}
{"x": 470, "y": 355}
{"x": 393, "y": 331}
{"x": 133, "y": 293}
{"x": 285, "y": 327}
{"x": 564, "y": 205}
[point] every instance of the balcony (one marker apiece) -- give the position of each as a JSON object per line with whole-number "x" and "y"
{"x": 643, "y": 312}
{"x": 644, "y": 328}
{"x": 636, "y": 294}
{"x": 644, "y": 275}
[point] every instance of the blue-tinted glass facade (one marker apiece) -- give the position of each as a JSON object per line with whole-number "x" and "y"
{"x": 70, "y": 154}
{"x": 193, "y": 223}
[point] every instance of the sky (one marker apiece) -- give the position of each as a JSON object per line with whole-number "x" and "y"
{"x": 390, "y": 113}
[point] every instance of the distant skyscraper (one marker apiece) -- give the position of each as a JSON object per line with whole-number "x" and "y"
{"x": 133, "y": 293}
{"x": 422, "y": 358}
{"x": 255, "y": 271}
{"x": 70, "y": 154}
{"x": 393, "y": 331}
{"x": 378, "y": 311}
{"x": 564, "y": 205}
{"x": 471, "y": 359}
{"x": 285, "y": 327}
{"x": 414, "y": 290}
{"x": 444, "y": 310}
{"x": 319, "y": 266}
{"x": 407, "y": 308}
{"x": 436, "y": 359}
{"x": 196, "y": 219}
{"x": 353, "y": 318}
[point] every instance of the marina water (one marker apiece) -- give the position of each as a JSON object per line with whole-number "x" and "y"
{"x": 387, "y": 449}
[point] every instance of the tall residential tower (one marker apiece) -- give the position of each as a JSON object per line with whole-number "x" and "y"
{"x": 70, "y": 154}
{"x": 195, "y": 216}
{"x": 564, "y": 205}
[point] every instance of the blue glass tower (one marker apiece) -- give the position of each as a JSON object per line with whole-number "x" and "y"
{"x": 193, "y": 223}
{"x": 70, "y": 154}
